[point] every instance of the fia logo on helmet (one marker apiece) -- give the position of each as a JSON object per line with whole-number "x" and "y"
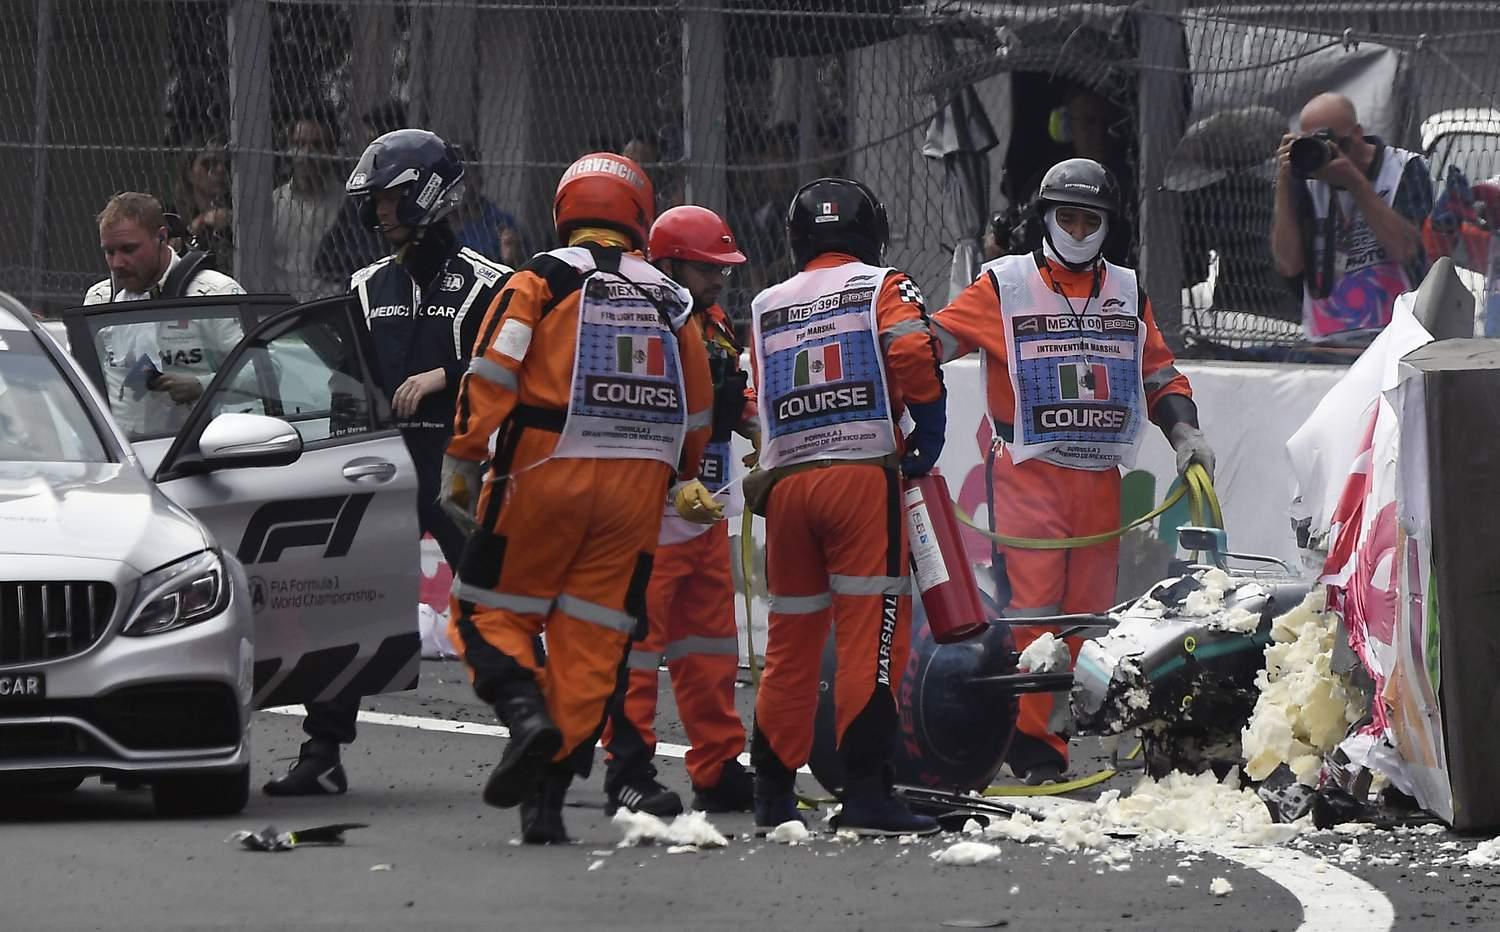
{"x": 828, "y": 212}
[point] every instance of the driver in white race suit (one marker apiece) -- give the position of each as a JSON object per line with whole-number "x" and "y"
{"x": 155, "y": 371}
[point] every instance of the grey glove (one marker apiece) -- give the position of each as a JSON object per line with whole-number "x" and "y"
{"x": 1192, "y": 447}
{"x": 458, "y": 491}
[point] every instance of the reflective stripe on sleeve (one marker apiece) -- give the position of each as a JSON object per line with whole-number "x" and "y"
{"x": 900, "y": 329}
{"x": 522, "y": 604}
{"x": 698, "y": 420}
{"x": 596, "y": 614}
{"x": 799, "y": 604}
{"x": 492, "y": 371}
{"x": 709, "y": 647}
{"x": 947, "y": 342}
{"x": 1161, "y": 378}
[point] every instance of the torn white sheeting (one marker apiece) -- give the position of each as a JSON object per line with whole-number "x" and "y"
{"x": 967, "y": 853}
{"x": 690, "y": 828}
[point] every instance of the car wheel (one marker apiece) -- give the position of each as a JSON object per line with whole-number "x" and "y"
{"x": 39, "y": 786}
{"x": 207, "y": 794}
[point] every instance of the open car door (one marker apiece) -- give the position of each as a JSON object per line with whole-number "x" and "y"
{"x": 330, "y": 541}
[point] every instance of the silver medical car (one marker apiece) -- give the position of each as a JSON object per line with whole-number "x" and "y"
{"x": 248, "y": 543}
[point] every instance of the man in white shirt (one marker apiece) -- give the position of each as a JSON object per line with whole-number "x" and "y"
{"x": 155, "y": 371}
{"x": 305, "y": 207}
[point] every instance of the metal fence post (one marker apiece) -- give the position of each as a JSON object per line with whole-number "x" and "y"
{"x": 703, "y": 100}
{"x": 250, "y": 152}
{"x": 41, "y": 105}
{"x": 1162, "y": 115}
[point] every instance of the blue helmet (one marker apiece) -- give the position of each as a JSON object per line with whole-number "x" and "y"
{"x": 429, "y": 169}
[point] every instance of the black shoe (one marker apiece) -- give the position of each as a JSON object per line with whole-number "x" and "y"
{"x": 533, "y": 742}
{"x": 643, "y": 793}
{"x": 317, "y": 772}
{"x": 773, "y": 809}
{"x": 881, "y": 816}
{"x": 735, "y": 791}
{"x": 541, "y": 812}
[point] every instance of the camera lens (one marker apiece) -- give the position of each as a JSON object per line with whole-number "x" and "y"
{"x": 1308, "y": 154}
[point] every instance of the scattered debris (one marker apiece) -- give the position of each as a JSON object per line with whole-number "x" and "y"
{"x": 1220, "y": 887}
{"x": 380, "y": 867}
{"x": 790, "y": 832}
{"x": 596, "y": 864}
{"x": 1487, "y": 854}
{"x": 689, "y": 828}
{"x": 269, "y": 839}
{"x": 967, "y": 853}
{"x": 1174, "y": 881}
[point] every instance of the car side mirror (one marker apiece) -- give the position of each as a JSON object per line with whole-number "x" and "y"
{"x": 1210, "y": 540}
{"x": 236, "y": 441}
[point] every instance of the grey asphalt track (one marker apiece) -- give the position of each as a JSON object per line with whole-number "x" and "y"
{"x": 434, "y": 857}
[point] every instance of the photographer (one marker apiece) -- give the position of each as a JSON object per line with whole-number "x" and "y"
{"x": 1347, "y": 219}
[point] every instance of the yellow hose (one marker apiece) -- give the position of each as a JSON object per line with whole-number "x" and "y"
{"x": 1203, "y": 507}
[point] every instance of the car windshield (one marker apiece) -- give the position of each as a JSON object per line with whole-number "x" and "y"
{"x": 42, "y": 419}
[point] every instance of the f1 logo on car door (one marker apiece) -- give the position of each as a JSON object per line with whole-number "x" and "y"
{"x": 330, "y": 522}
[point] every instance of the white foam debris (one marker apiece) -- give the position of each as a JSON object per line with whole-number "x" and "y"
{"x": 689, "y": 828}
{"x": 1147, "y": 605}
{"x": 1238, "y": 619}
{"x": 1174, "y": 881}
{"x": 600, "y": 853}
{"x": 1487, "y": 854}
{"x": 1156, "y": 814}
{"x": 1014, "y": 889}
{"x": 1352, "y": 828}
{"x": 1201, "y": 602}
{"x": 380, "y": 867}
{"x": 967, "y": 853}
{"x": 906, "y": 839}
{"x": 683, "y": 849}
{"x": 972, "y": 827}
{"x": 790, "y": 832}
{"x": 1217, "y": 580}
{"x": 1047, "y": 654}
{"x": 596, "y": 864}
{"x": 1303, "y": 709}
{"x": 1220, "y": 887}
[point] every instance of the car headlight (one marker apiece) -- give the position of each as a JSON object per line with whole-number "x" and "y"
{"x": 178, "y": 595}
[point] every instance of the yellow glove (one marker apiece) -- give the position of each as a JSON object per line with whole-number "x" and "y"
{"x": 458, "y": 491}
{"x": 695, "y": 503}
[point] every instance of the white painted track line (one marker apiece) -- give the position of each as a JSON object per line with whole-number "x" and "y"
{"x": 1332, "y": 899}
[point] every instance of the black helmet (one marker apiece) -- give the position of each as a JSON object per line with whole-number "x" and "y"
{"x": 836, "y": 215}
{"x": 430, "y": 169}
{"x": 1079, "y": 183}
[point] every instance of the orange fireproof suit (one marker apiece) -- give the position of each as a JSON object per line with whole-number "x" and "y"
{"x": 1040, "y": 499}
{"x": 690, "y": 608}
{"x": 565, "y": 545}
{"x": 836, "y": 554}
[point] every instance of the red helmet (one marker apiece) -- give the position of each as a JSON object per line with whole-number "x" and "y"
{"x": 696, "y": 234}
{"x": 603, "y": 189}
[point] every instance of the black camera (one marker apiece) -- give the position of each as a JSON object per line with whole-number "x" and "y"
{"x": 1311, "y": 152}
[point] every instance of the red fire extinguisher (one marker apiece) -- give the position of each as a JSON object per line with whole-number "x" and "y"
{"x": 939, "y": 566}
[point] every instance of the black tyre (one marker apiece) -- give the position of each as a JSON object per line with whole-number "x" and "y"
{"x": 205, "y": 794}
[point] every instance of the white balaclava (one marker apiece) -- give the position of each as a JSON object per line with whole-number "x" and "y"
{"x": 1072, "y": 252}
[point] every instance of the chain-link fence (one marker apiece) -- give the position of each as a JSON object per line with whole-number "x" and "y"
{"x": 244, "y": 116}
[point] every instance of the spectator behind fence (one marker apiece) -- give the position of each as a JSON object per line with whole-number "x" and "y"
{"x": 306, "y": 207}
{"x": 1347, "y": 219}
{"x": 200, "y": 196}
{"x": 479, "y": 224}
{"x": 644, "y": 149}
{"x": 349, "y": 245}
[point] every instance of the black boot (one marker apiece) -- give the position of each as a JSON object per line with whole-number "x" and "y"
{"x": 871, "y": 808}
{"x": 317, "y": 772}
{"x": 639, "y": 791}
{"x": 775, "y": 786}
{"x": 735, "y": 791}
{"x": 534, "y": 739}
{"x": 541, "y": 812}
